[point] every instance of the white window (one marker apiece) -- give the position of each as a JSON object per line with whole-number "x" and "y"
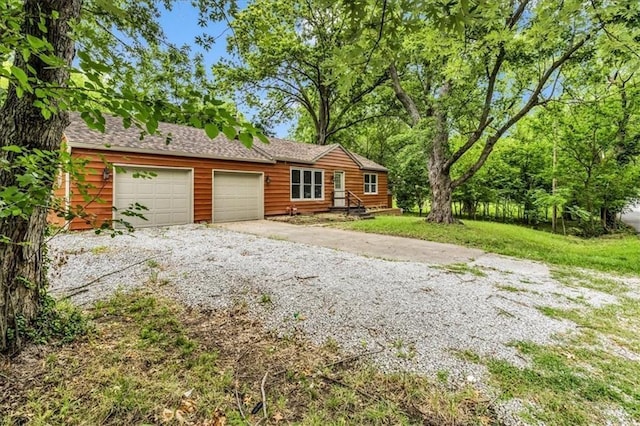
{"x": 370, "y": 183}
{"x": 306, "y": 184}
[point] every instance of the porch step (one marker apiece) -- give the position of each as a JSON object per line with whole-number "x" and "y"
{"x": 361, "y": 212}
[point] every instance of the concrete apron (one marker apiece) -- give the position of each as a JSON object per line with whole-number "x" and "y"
{"x": 373, "y": 245}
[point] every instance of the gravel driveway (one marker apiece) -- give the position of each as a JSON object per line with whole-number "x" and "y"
{"x": 422, "y": 314}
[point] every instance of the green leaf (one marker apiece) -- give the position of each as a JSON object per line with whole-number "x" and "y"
{"x": 262, "y": 138}
{"x": 35, "y": 42}
{"x": 229, "y": 132}
{"x": 110, "y": 7}
{"x": 20, "y": 75}
{"x": 211, "y": 130}
{"x": 195, "y": 122}
{"x": 152, "y": 125}
{"x": 12, "y": 148}
{"x": 246, "y": 139}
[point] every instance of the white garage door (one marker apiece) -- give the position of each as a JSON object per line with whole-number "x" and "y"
{"x": 167, "y": 196}
{"x": 237, "y": 196}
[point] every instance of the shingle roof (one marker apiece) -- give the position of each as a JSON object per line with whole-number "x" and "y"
{"x": 185, "y": 141}
{"x": 367, "y": 164}
{"x": 284, "y": 150}
{"x": 191, "y": 142}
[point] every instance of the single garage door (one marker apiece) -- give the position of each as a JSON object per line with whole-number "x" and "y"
{"x": 237, "y": 196}
{"x": 167, "y": 195}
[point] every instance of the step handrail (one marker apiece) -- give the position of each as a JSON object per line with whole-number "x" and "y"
{"x": 359, "y": 202}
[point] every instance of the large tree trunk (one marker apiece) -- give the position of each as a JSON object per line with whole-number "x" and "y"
{"x": 439, "y": 173}
{"x": 441, "y": 192}
{"x": 22, "y": 266}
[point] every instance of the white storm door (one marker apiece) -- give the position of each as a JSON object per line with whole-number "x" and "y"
{"x": 339, "y": 193}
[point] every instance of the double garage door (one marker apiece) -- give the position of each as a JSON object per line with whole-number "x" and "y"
{"x": 168, "y": 195}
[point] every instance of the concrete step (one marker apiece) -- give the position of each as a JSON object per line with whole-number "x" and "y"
{"x": 352, "y": 211}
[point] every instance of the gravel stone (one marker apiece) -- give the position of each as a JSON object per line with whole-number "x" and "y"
{"x": 423, "y": 315}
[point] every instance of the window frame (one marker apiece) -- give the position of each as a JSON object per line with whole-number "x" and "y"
{"x": 314, "y": 184}
{"x": 370, "y": 184}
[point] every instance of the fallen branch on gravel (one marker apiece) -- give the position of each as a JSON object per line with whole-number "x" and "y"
{"x": 264, "y": 395}
{"x": 83, "y": 288}
{"x": 238, "y": 402}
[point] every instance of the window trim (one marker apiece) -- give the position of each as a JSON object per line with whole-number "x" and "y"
{"x": 313, "y": 184}
{"x": 364, "y": 181}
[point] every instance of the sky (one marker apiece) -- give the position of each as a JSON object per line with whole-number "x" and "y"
{"x": 181, "y": 27}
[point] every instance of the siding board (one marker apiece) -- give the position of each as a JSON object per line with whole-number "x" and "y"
{"x": 276, "y": 193}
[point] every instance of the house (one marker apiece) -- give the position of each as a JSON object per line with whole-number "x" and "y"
{"x": 198, "y": 179}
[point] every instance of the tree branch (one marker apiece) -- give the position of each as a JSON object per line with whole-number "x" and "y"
{"x": 531, "y": 103}
{"x": 357, "y": 98}
{"x": 406, "y": 101}
{"x": 485, "y": 120}
{"x": 380, "y": 30}
{"x": 353, "y": 123}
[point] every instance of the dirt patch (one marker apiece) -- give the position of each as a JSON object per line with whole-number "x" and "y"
{"x": 151, "y": 360}
{"x": 311, "y": 219}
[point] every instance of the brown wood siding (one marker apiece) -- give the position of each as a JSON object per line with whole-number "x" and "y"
{"x": 276, "y": 193}
{"x": 58, "y": 194}
{"x": 354, "y": 178}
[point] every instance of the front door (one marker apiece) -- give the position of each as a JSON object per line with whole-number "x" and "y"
{"x": 339, "y": 194}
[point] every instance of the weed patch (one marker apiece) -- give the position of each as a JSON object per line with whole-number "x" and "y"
{"x": 586, "y": 376}
{"x": 574, "y": 278}
{"x": 462, "y": 268}
{"x": 510, "y": 289}
{"x": 58, "y": 322}
{"x": 151, "y": 360}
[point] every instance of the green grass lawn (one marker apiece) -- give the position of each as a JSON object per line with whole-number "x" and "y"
{"x": 620, "y": 253}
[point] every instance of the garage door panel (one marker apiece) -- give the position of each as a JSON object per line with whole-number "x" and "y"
{"x": 237, "y": 196}
{"x": 164, "y": 204}
{"x": 167, "y": 196}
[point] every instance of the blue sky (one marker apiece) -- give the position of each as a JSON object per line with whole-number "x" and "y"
{"x": 181, "y": 27}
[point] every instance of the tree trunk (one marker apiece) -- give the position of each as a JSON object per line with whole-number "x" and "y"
{"x": 22, "y": 265}
{"x": 440, "y": 180}
{"x": 324, "y": 114}
{"x": 441, "y": 192}
{"x": 439, "y": 173}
